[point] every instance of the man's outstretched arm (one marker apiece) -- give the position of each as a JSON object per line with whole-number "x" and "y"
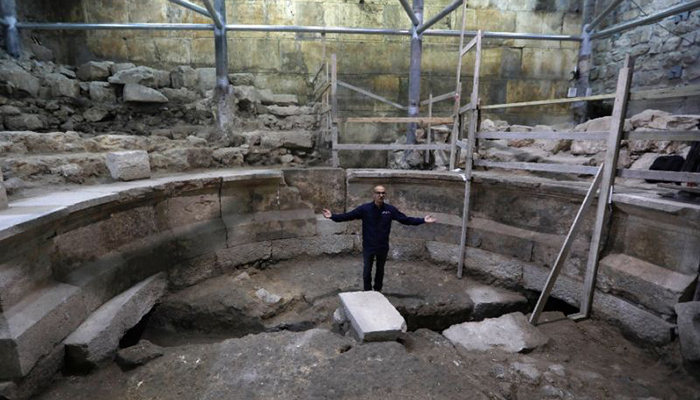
{"x": 348, "y": 216}
{"x": 403, "y": 219}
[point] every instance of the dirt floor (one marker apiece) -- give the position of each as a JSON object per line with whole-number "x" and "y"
{"x": 269, "y": 333}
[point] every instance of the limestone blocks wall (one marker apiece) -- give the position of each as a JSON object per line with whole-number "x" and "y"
{"x": 658, "y": 49}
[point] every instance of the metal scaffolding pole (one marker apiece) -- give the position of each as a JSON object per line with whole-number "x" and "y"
{"x": 442, "y": 14}
{"x": 599, "y": 19}
{"x": 414, "y": 73}
{"x": 220, "y": 46}
{"x": 409, "y": 11}
{"x": 287, "y": 28}
{"x": 677, "y": 9}
{"x": 215, "y": 15}
{"x": 192, "y": 7}
{"x": 9, "y": 21}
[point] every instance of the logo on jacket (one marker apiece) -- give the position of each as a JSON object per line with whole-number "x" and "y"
{"x": 386, "y": 212}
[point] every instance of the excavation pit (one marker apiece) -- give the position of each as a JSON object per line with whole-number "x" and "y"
{"x": 254, "y": 273}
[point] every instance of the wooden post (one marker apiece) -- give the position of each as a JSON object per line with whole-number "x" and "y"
{"x": 469, "y": 162}
{"x": 566, "y": 247}
{"x": 428, "y": 133}
{"x": 613, "y": 148}
{"x": 458, "y": 90}
{"x": 334, "y": 108}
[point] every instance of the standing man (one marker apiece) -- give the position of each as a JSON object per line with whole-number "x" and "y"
{"x": 376, "y": 219}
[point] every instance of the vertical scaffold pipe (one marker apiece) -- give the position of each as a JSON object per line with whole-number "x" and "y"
{"x": 8, "y": 10}
{"x": 221, "y": 48}
{"x": 414, "y": 73}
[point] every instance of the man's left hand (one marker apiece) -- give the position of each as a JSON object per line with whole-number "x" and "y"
{"x": 429, "y": 219}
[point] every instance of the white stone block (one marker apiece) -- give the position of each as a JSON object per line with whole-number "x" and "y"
{"x": 129, "y": 165}
{"x": 372, "y": 316}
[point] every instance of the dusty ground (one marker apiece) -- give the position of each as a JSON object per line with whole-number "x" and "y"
{"x": 243, "y": 348}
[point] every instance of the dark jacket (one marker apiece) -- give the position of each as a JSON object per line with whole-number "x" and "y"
{"x": 376, "y": 223}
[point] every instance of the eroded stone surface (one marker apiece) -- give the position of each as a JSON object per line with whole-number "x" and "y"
{"x": 140, "y": 354}
{"x": 98, "y": 337}
{"x": 510, "y": 332}
{"x": 689, "y": 329}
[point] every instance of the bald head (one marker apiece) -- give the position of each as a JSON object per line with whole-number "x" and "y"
{"x": 379, "y": 192}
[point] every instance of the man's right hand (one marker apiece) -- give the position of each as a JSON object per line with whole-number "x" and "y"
{"x": 327, "y": 213}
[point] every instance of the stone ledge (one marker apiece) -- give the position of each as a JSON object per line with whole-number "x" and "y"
{"x": 655, "y": 287}
{"x": 38, "y": 324}
{"x": 98, "y": 336}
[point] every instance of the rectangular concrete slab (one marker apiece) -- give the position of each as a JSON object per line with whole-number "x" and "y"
{"x": 372, "y": 316}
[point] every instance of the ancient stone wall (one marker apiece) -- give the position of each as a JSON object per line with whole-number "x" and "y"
{"x": 66, "y": 254}
{"x": 659, "y": 48}
{"x": 512, "y": 70}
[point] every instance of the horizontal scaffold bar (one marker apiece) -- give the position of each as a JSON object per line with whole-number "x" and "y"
{"x": 374, "y": 146}
{"x": 396, "y": 120}
{"x": 287, "y": 28}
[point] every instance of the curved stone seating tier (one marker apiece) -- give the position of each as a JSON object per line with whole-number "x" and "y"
{"x": 65, "y": 254}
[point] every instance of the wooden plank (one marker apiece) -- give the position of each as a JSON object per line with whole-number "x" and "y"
{"x": 666, "y": 93}
{"x": 680, "y": 188}
{"x": 551, "y": 101}
{"x": 437, "y": 99}
{"x": 566, "y": 247}
{"x": 321, "y": 90}
{"x": 428, "y": 132}
{"x": 543, "y": 167}
{"x": 320, "y": 68}
{"x": 334, "y": 85}
{"x": 465, "y": 108}
{"x": 672, "y": 176}
{"x": 371, "y": 95}
{"x": 420, "y": 120}
{"x": 334, "y": 151}
{"x": 609, "y": 172}
{"x": 592, "y": 135}
{"x": 469, "y": 162}
{"x": 468, "y": 47}
{"x": 378, "y": 146}
{"x": 679, "y": 136}
{"x": 455, "y": 123}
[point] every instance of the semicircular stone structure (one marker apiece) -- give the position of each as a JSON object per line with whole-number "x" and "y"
{"x": 65, "y": 254}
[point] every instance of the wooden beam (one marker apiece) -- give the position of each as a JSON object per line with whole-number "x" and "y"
{"x": 666, "y": 93}
{"x": 548, "y": 102}
{"x": 334, "y": 110}
{"x": 560, "y": 168}
{"x": 397, "y": 120}
{"x": 428, "y": 132}
{"x": 468, "y": 47}
{"x": 671, "y": 176}
{"x": 371, "y": 95}
{"x": 321, "y": 90}
{"x": 547, "y": 135}
{"x": 438, "y": 99}
{"x": 378, "y": 146}
{"x": 680, "y": 136}
{"x": 566, "y": 247}
{"x": 465, "y": 108}
{"x": 609, "y": 171}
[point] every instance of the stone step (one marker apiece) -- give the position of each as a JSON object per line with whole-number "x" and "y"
{"x": 65, "y": 165}
{"x": 492, "y": 302}
{"x": 372, "y": 316}
{"x": 36, "y": 325}
{"x": 98, "y": 337}
{"x": 653, "y": 286}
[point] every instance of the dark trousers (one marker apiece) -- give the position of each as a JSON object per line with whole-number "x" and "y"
{"x": 369, "y": 257}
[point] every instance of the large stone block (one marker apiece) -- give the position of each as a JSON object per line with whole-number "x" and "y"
{"x": 94, "y": 71}
{"x": 145, "y": 76}
{"x": 322, "y": 187}
{"x": 689, "y": 329}
{"x": 61, "y": 86}
{"x": 183, "y": 76}
{"x": 645, "y": 283}
{"x": 129, "y": 165}
{"x": 36, "y": 325}
{"x": 98, "y": 337}
{"x": 512, "y": 333}
{"x": 372, "y": 316}
{"x": 136, "y": 93}
{"x": 492, "y": 301}
{"x": 19, "y": 79}
{"x": 313, "y": 246}
{"x": 102, "y": 92}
